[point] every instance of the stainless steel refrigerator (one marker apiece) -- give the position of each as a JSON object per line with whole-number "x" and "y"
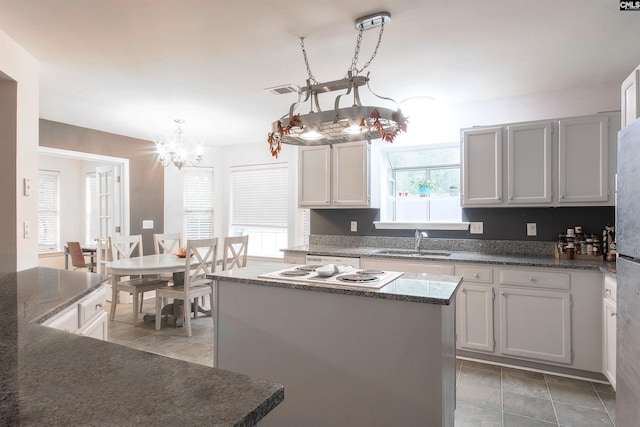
{"x": 628, "y": 272}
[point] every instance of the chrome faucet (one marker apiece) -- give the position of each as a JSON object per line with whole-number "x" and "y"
{"x": 419, "y": 236}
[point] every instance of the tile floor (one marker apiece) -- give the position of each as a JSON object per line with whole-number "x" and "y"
{"x": 487, "y": 395}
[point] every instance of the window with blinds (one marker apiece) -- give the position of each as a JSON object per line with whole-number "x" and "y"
{"x": 198, "y": 203}
{"x": 48, "y": 211}
{"x": 92, "y": 208}
{"x": 259, "y": 203}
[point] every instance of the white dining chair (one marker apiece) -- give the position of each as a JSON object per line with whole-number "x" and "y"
{"x": 235, "y": 252}
{"x": 168, "y": 243}
{"x": 122, "y": 247}
{"x": 196, "y": 284}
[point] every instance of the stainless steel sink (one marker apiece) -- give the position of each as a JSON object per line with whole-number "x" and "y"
{"x": 411, "y": 252}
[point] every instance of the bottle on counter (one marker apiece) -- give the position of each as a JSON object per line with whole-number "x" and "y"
{"x": 596, "y": 246}
{"x": 605, "y": 243}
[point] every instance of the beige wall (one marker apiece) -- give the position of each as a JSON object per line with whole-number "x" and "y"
{"x": 19, "y": 109}
{"x": 146, "y": 176}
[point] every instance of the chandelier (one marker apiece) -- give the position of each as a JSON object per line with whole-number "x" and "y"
{"x": 177, "y": 152}
{"x": 356, "y": 122}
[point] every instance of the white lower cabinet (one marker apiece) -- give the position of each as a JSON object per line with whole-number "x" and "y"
{"x": 85, "y": 317}
{"x": 609, "y": 323}
{"x": 475, "y": 317}
{"x": 535, "y": 324}
{"x": 546, "y": 315}
{"x": 474, "y": 308}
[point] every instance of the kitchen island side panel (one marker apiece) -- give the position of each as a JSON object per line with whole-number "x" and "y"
{"x": 343, "y": 359}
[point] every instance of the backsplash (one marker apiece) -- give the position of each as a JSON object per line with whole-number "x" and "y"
{"x": 502, "y": 224}
{"x": 491, "y": 247}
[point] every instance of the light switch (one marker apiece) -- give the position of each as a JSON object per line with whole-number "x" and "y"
{"x": 532, "y": 229}
{"x": 26, "y": 229}
{"x": 26, "y": 186}
{"x": 476, "y": 228}
{"x": 354, "y": 226}
{"x": 147, "y": 224}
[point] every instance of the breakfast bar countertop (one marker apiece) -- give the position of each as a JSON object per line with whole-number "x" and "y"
{"x": 58, "y": 378}
{"x": 412, "y": 287}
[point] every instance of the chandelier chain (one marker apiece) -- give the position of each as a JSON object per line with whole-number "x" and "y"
{"x": 306, "y": 61}
{"x": 354, "y": 62}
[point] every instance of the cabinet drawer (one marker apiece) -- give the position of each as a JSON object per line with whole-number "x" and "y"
{"x": 90, "y": 306}
{"x": 67, "y": 320}
{"x": 475, "y": 274}
{"x": 610, "y": 288}
{"x": 536, "y": 279}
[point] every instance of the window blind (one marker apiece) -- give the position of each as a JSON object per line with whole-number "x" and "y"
{"x": 92, "y": 218}
{"x": 259, "y": 196}
{"x": 48, "y": 210}
{"x": 198, "y": 203}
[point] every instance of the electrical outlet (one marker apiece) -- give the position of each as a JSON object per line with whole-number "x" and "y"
{"x": 354, "y": 226}
{"x": 476, "y": 228}
{"x": 532, "y": 229}
{"x": 147, "y": 224}
{"x": 26, "y": 229}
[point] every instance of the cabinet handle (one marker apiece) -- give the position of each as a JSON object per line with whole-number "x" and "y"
{"x": 562, "y": 196}
{"x": 476, "y": 275}
{"x": 607, "y": 290}
{"x": 99, "y": 306}
{"x": 614, "y": 314}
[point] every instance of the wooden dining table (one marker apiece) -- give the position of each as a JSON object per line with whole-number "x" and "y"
{"x": 153, "y": 264}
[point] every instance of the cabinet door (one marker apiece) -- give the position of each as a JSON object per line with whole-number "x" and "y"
{"x": 96, "y": 329}
{"x": 475, "y": 308}
{"x": 351, "y": 174}
{"x": 609, "y": 340}
{"x": 314, "y": 185}
{"x": 630, "y": 98}
{"x": 482, "y": 167}
{"x": 535, "y": 324}
{"x": 583, "y": 160}
{"x": 529, "y": 163}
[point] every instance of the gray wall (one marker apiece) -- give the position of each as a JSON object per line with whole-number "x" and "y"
{"x": 8, "y": 173}
{"x": 146, "y": 176}
{"x": 499, "y": 223}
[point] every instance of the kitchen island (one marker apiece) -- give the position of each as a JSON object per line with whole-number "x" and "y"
{"x": 54, "y": 378}
{"x": 347, "y": 355}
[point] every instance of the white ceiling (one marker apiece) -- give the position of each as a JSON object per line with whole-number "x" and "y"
{"x": 132, "y": 67}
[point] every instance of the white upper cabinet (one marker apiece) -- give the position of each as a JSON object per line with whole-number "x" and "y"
{"x": 482, "y": 167}
{"x": 583, "y": 160}
{"x": 630, "y": 98}
{"x": 314, "y": 186}
{"x": 335, "y": 177}
{"x": 529, "y": 163}
{"x": 563, "y": 162}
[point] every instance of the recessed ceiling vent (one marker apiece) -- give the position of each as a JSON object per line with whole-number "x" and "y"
{"x": 284, "y": 89}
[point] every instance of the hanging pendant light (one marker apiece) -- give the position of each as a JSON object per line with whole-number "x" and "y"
{"x": 177, "y": 152}
{"x": 342, "y": 124}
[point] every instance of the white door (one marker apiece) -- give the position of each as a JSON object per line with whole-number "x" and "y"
{"x": 609, "y": 336}
{"x": 350, "y": 172}
{"x": 475, "y": 308}
{"x": 535, "y": 324}
{"x": 314, "y": 175}
{"x": 529, "y": 163}
{"x": 482, "y": 167}
{"x": 583, "y": 159}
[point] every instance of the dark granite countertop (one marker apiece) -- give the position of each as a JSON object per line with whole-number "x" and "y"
{"x": 51, "y": 377}
{"x": 413, "y": 287}
{"x": 457, "y": 256}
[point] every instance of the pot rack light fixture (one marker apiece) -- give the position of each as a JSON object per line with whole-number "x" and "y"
{"x": 177, "y": 152}
{"x": 356, "y": 122}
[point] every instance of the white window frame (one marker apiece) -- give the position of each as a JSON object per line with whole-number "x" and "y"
{"x": 51, "y": 186}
